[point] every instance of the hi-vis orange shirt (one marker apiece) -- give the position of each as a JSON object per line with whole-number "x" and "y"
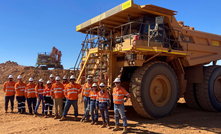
{"x": 52, "y": 82}
{"x": 57, "y": 91}
{"x": 118, "y": 95}
{"x": 30, "y": 91}
{"x": 65, "y": 84}
{"x": 20, "y": 88}
{"x": 9, "y": 88}
{"x": 86, "y": 90}
{"x": 39, "y": 90}
{"x": 71, "y": 91}
{"x": 93, "y": 95}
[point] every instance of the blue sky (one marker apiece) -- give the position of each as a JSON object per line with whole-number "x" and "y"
{"x": 31, "y": 26}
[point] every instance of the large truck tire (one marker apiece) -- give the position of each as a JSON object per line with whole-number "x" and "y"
{"x": 191, "y": 97}
{"x": 154, "y": 90}
{"x": 209, "y": 92}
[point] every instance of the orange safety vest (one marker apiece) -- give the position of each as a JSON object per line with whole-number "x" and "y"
{"x": 39, "y": 90}
{"x": 118, "y": 95}
{"x": 9, "y": 88}
{"x": 65, "y": 84}
{"x": 30, "y": 90}
{"x": 57, "y": 91}
{"x": 102, "y": 97}
{"x": 47, "y": 92}
{"x": 71, "y": 91}
{"x": 93, "y": 95}
{"x": 86, "y": 90}
{"x": 20, "y": 88}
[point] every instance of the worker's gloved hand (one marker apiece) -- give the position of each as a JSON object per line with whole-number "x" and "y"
{"x": 108, "y": 107}
{"x": 96, "y": 108}
{"x": 38, "y": 100}
{"x": 44, "y": 101}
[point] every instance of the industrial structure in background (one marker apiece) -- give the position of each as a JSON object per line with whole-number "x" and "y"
{"x": 49, "y": 60}
{"x": 157, "y": 58}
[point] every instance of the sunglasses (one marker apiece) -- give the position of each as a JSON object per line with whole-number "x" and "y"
{"x": 101, "y": 87}
{"x": 117, "y": 82}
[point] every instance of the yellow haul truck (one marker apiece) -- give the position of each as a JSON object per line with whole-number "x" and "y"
{"x": 157, "y": 58}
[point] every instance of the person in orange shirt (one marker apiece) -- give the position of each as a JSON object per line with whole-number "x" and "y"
{"x": 52, "y": 79}
{"x": 47, "y": 99}
{"x": 92, "y": 104}
{"x": 39, "y": 89}
{"x": 102, "y": 102}
{"x": 9, "y": 89}
{"x": 71, "y": 93}
{"x": 30, "y": 95}
{"x": 85, "y": 96}
{"x": 118, "y": 99}
{"x": 57, "y": 94}
{"x": 65, "y": 82}
{"x": 20, "y": 94}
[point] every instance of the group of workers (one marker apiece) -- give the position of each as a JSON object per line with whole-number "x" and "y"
{"x": 63, "y": 95}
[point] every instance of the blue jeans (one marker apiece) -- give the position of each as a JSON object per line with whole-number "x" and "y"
{"x": 92, "y": 109}
{"x": 41, "y": 99}
{"x": 68, "y": 104}
{"x": 119, "y": 109}
{"x": 86, "y": 108}
{"x": 104, "y": 115}
{"x": 11, "y": 98}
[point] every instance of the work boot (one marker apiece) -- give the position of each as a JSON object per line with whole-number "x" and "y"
{"x": 96, "y": 122}
{"x": 11, "y": 110}
{"x": 108, "y": 126}
{"x": 19, "y": 112}
{"x": 124, "y": 130}
{"x": 30, "y": 113}
{"x": 6, "y": 110}
{"x": 45, "y": 116}
{"x": 56, "y": 116}
{"x": 82, "y": 119}
{"x": 116, "y": 128}
{"x": 35, "y": 115}
{"x": 92, "y": 122}
{"x": 62, "y": 118}
{"x": 104, "y": 125}
{"x": 75, "y": 118}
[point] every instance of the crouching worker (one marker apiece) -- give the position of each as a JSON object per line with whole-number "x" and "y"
{"x": 47, "y": 99}
{"x": 71, "y": 93}
{"x": 102, "y": 102}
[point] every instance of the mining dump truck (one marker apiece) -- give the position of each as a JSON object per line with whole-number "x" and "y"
{"x": 49, "y": 60}
{"x": 157, "y": 58}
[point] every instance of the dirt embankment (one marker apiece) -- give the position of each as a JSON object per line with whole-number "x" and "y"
{"x": 15, "y": 69}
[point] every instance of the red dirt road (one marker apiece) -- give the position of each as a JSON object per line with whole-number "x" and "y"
{"x": 183, "y": 120}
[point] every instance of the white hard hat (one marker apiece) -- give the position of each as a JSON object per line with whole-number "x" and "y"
{"x": 89, "y": 77}
{"x": 72, "y": 77}
{"x": 117, "y": 80}
{"x": 48, "y": 82}
{"x": 10, "y": 76}
{"x": 19, "y": 77}
{"x": 31, "y": 79}
{"x": 94, "y": 85}
{"x": 40, "y": 80}
{"x": 57, "y": 78}
{"x": 65, "y": 78}
{"x": 102, "y": 85}
{"x": 51, "y": 76}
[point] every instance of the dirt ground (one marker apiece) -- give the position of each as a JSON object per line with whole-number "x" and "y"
{"x": 183, "y": 120}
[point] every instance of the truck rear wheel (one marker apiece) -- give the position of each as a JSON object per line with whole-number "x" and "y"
{"x": 209, "y": 92}
{"x": 190, "y": 96}
{"x": 154, "y": 90}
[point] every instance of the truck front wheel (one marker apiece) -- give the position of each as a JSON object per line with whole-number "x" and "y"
{"x": 154, "y": 90}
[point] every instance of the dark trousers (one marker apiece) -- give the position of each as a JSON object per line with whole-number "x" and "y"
{"x": 48, "y": 105}
{"x": 64, "y": 101}
{"x": 21, "y": 103}
{"x": 11, "y": 98}
{"x": 31, "y": 104}
{"x": 104, "y": 115}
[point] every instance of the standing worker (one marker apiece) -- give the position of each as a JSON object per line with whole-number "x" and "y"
{"x": 39, "y": 89}
{"x": 65, "y": 82}
{"x": 9, "y": 89}
{"x": 118, "y": 99}
{"x": 30, "y": 95}
{"x": 102, "y": 102}
{"x": 52, "y": 79}
{"x": 85, "y": 96}
{"x": 20, "y": 94}
{"x": 71, "y": 92}
{"x": 47, "y": 99}
{"x": 57, "y": 94}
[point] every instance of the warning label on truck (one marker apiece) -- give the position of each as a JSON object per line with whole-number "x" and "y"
{"x": 215, "y": 43}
